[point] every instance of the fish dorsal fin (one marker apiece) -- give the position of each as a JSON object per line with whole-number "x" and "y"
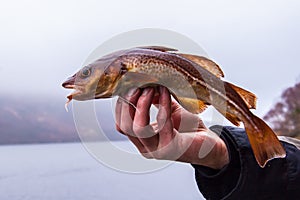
{"x": 206, "y": 63}
{"x": 192, "y": 105}
{"x": 248, "y": 97}
{"x": 158, "y": 48}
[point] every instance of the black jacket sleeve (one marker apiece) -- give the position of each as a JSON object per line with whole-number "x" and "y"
{"x": 242, "y": 178}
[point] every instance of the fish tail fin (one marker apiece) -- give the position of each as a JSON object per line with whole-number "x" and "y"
{"x": 264, "y": 142}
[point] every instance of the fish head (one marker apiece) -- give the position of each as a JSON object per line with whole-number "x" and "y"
{"x": 96, "y": 80}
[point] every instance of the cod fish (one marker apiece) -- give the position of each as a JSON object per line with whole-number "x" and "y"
{"x": 194, "y": 81}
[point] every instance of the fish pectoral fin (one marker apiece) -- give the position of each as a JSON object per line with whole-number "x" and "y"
{"x": 248, "y": 97}
{"x": 140, "y": 78}
{"x": 158, "y": 48}
{"x": 206, "y": 63}
{"x": 194, "y": 106}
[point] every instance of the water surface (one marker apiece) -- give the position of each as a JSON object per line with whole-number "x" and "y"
{"x": 69, "y": 172}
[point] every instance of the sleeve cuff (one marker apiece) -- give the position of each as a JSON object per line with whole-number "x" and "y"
{"x": 225, "y": 180}
{"x": 242, "y": 178}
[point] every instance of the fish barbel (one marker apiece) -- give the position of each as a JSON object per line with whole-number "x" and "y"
{"x": 194, "y": 81}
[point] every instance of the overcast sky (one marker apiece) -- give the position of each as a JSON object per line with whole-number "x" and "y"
{"x": 255, "y": 42}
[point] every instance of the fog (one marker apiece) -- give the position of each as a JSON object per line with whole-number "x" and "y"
{"x": 43, "y": 42}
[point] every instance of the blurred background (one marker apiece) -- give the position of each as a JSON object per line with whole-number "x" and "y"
{"x": 43, "y": 42}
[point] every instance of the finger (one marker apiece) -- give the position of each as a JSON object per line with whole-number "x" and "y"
{"x": 123, "y": 121}
{"x": 176, "y": 111}
{"x": 141, "y": 127}
{"x": 164, "y": 109}
{"x": 164, "y": 121}
{"x": 118, "y": 111}
{"x": 174, "y": 105}
{"x": 137, "y": 143}
{"x": 126, "y": 111}
{"x": 155, "y": 100}
{"x": 143, "y": 106}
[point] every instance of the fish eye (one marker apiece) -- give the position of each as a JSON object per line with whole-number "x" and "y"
{"x": 86, "y": 72}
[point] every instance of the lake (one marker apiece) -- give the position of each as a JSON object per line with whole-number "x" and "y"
{"x": 67, "y": 171}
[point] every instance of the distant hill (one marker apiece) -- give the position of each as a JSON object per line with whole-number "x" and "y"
{"x": 40, "y": 121}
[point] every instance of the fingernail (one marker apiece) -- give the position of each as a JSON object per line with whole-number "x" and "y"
{"x": 132, "y": 91}
{"x": 146, "y": 91}
{"x": 119, "y": 101}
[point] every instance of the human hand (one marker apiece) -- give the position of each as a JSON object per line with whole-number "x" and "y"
{"x": 177, "y": 135}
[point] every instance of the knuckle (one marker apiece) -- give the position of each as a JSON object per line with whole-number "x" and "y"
{"x": 159, "y": 155}
{"x": 126, "y": 129}
{"x": 147, "y": 155}
{"x": 118, "y": 128}
{"x": 160, "y": 118}
{"x": 165, "y": 153}
{"x": 162, "y": 115}
{"x": 138, "y": 130}
{"x": 119, "y": 102}
{"x": 143, "y": 131}
{"x": 141, "y": 105}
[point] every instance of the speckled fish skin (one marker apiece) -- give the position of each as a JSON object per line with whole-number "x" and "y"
{"x": 193, "y": 81}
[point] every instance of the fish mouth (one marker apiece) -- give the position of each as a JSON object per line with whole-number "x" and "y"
{"x": 79, "y": 93}
{"x": 74, "y": 93}
{"x": 69, "y": 84}
{"x": 70, "y": 96}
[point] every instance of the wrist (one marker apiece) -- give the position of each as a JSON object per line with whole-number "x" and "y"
{"x": 206, "y": 149}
